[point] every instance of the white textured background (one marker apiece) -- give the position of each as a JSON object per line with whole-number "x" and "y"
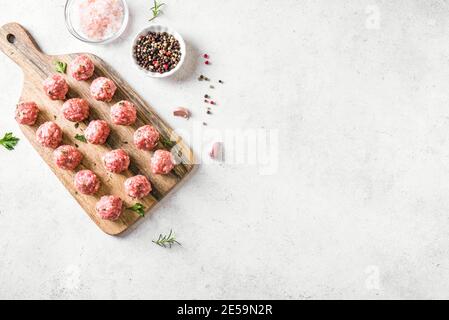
{"x": 357, "y": 209}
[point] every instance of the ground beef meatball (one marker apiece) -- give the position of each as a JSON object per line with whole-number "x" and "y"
{"x": 146, "y": 137}
{"x": 123, "y": 113}
{"x": 116, "y": 161}
{"x": 26, "y": 113}
{"x": 103, "y": 89}
{"x": 56, "y": 87}
{"x": 97, "y": 132}
{"x": 67, "y": 157}
{"x": 81, "y": 68}
{"x": 162, "y": 162}
{"x": 87, "y": 182}
{"x": 49, "y": 135}
{"x": 137, "y": 187}
{"x": 109, "y": 207}
{"x": 75, "y": 110}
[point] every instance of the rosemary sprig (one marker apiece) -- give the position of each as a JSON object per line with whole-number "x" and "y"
{"x": 156, "y": 9}
{"x": 139, "y": 208}
{"x": 166, "y": 241}
{"x": 60, "y": 66}
{"x": 9, "y": 141}
{"x": 80, "y": 137}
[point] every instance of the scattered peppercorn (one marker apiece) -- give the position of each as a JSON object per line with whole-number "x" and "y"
{"x": 220, "y": 81}
{"x": 208, "y": 112}
{"x": 205, "y": 56}
{"x": 206, "y": 101}
{"x": 204, "y": 124}
{"x": 77, "y": 125}
{"x": 157, "y": 52}
{"x": 212, "y": 102}
{"x": 206, "y": 96}
{"x": 212, "y": 87}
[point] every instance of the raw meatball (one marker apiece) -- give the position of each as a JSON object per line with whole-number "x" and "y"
{"x": 137, "y": 186}
{"x": 49, "y": 135}
{"x": 146, "y": 137}
{"x": 97, "y": 132}
{"x": 26, "y": 113}
{"x": 75, "y": 110}
{"x": 116, "y": 160}
{"x": 103, "y": 89}
{"x": 81, "y": 68}
{"x": 67, "y": 157}
{"x": 87, "y": 182}
{"x": 123, "y": 113}
{"x": 162, "y": 162}
{"x": 109, "y": 207}
{"x": 56, "y": 87}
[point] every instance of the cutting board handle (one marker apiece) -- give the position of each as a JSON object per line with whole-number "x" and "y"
{"x": 18, "y": 44}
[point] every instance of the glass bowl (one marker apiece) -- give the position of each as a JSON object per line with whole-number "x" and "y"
{"x": 72, "y": 23}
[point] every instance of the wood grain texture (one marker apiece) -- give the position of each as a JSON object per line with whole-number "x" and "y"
{"x": 17, "y": 44}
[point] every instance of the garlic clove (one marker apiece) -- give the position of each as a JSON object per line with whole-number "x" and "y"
{"x": 216, "y": 151}
{"x": 181, "y": 112}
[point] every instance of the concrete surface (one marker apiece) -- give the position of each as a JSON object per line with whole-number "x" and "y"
{"x": 349, "y": 199}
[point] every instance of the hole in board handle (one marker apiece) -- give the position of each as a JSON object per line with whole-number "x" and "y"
{"x": 11, "y": 38}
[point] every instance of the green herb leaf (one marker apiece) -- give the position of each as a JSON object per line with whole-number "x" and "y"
{"x": 166, "y": 241}
{"x": 167, "y": 143}
{"x": 60, "y": 67}
{"x": 80, "y": 137}
{"x": 156, "y": 9}
{"x": 9, "y": 141}
{"x": 139, "y": 208}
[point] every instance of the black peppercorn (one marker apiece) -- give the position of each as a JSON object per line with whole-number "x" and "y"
{"x": 157, "y": 52}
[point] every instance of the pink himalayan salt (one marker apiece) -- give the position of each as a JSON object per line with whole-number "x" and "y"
{"x": 99, "y": 19}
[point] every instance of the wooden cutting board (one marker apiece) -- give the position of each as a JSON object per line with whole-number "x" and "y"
{"x": 17, "y": 44}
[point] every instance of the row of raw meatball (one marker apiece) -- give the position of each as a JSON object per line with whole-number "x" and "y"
{"x": 80, "y": 68}
{"x": 68, "y": 157}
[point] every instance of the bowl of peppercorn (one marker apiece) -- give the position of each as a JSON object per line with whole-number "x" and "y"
{"x": 159, "y": 51}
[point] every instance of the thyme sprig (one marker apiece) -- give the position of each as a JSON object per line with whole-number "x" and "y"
{"x": 80, "y": 137}
{"x": 167, "y": 142}
{"x": 139, "y": 208}
{"x": 9, "y": 141}
{"x": 156, "y": 9}
{"x": 60, "y": 66}
{"x": 166, "y": 241}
